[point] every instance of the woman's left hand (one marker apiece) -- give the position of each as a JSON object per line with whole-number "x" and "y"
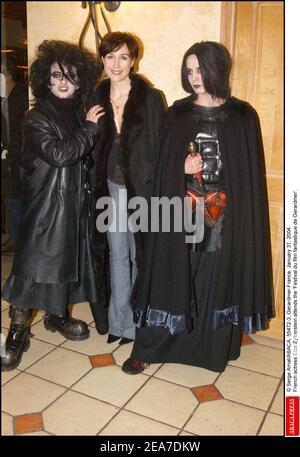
{"x": 94, "y": 113}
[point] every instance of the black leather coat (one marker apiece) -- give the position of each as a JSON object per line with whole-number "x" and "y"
{"x": 53, "y": 154}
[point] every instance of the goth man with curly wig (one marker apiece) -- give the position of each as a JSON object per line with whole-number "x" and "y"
{"x": 53, "y": 264}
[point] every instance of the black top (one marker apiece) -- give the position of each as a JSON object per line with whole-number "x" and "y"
{"x": 68, "y": 107}
{"x": 207, "y": 143}
{"x": 114, "y": 170}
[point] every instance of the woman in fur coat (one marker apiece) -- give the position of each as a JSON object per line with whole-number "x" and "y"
{"x": 125, "y": 155}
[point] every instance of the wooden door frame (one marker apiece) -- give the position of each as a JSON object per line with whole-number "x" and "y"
{"x": 228, "y": 37}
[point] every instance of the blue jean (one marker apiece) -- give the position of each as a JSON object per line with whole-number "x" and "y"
{"x": 14, "y": 210}
{"x": 122, "y": 266}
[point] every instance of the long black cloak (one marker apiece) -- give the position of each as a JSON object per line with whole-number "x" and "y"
{"x": 242, "y": 293}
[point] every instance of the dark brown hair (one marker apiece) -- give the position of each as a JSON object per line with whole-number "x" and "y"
{"x": 114, "y": 40}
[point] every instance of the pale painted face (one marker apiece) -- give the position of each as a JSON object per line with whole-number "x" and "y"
{"x": 60, "y": 86}
{"x": 117, "y": 64}
{"x": 194, "y": 75}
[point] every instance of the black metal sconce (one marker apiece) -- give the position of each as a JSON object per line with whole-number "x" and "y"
{"x": 92, "y": 16}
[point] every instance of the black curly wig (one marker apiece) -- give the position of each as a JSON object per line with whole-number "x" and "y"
{"x": 67, "y": 54}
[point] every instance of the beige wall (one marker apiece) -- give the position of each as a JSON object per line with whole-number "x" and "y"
{"x": 167, "y": 30}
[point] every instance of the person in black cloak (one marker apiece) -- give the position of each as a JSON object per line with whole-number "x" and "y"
{"x": 53, "y": 265}
{"x": 192, "y": 304}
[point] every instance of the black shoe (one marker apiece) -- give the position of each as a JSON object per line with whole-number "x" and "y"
{"x": 132, "y": 366}
{"x": 17, "y": 341}
{"x": 71, "y": 329}
{"x": 112, "y": 338}
{"x": 99, "y": 313}
{"x": 125, "y": 340}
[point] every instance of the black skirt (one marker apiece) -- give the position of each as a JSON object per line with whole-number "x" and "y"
{"x": 202, "y": 347}
{"x": 54, "y": 298}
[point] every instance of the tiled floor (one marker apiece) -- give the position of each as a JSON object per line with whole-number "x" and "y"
{"x": 77, "y": 388}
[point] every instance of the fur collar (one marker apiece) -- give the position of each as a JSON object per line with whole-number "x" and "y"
{"x": 185, "y": 105}
{"x": 132, "y": 126}
{"x": 133, "y": 117}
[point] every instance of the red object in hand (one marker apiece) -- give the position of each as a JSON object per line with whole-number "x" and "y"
{"x": 198, "y": 175}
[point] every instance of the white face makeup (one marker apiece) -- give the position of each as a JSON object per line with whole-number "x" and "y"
{"x": 117, "y": 64}
{"x": 60, "y": 86}
{"x": 194, "y": 75}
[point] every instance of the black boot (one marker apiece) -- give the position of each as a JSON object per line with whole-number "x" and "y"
{"x": 71, "y": 329}
{"x": 17, "y": 340}
{"x": 100, "y": 317}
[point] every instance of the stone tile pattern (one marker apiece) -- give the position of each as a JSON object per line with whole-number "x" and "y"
{"x": 28, "y": 423}
{"x": 113, "y": 403}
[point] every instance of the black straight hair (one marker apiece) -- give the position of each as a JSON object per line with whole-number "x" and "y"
{"x": 215, "y": 66}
